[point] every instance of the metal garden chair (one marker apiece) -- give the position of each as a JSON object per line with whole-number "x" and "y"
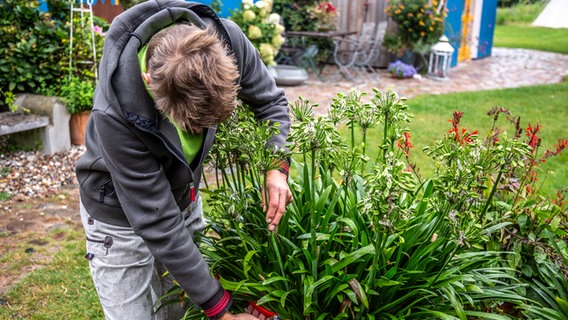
{"x": 354, "y": 55}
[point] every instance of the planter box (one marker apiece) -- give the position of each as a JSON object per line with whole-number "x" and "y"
{"x": 288, "y": 75}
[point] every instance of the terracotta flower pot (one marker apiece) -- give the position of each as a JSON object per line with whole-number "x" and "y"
{"x": 77, "y": 125}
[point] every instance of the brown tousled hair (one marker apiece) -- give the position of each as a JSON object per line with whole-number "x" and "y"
{"x": 193, "y": 78}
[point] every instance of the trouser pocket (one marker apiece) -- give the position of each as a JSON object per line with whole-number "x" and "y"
{"x": 94, "y": 245}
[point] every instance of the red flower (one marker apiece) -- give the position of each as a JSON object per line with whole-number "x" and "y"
{"x": 456, "y": 120}
{"x": 326, "y": 7}
{"x": 404, "y": 143}
{"x": 561, "y": 145}
{"x": 534, "y": 140}
{"x": 460, "y": 136}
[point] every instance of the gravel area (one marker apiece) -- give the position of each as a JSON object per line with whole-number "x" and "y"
{"x": 30, "y": 174}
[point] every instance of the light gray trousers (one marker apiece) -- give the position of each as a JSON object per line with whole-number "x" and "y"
{"x": 128, "y": 280}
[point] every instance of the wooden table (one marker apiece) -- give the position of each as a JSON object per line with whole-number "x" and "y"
{"x": 320, "y": 34}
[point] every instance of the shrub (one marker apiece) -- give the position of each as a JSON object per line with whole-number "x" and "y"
{"x": 35, "y": 57}
{"x": 31, "y": 47}
{"x": 419, "y": 23}
{"x": 368, "y": 237}
{"x": 78, "y": 93}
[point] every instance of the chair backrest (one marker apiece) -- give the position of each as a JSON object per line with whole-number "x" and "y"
{"x": 366, "y": 36}
{"x": 371, "y": 47}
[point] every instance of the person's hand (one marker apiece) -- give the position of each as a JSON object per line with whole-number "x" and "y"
{"x": 279, "y": 196}
{"x": 239, "y": 316}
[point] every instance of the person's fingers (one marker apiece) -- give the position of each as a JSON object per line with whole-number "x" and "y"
{"x": 252, "y": 310}
{"x": 277, "y": 207}
{"x": 278, "y": 194}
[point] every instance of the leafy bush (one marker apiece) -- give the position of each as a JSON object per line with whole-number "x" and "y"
{"x": 419, "y": 22}
{"x": 368, "y": 237}
{"x": 78, "y": 94}
{"x": 31, "y": 47}
{"x": 522, "y": 13}
{"x": 35, "y": 57}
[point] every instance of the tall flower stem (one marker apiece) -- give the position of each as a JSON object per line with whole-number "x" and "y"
{"x": 493, "y": 189}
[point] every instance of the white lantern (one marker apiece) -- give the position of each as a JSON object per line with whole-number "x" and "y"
{"x": 440, "y": 59}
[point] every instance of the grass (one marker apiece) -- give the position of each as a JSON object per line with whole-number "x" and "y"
{"x": 519, "y": 14}
{"x": 61, "y": 289}
{"x": 514, "y": 30}
{"x": 537, "y": 38}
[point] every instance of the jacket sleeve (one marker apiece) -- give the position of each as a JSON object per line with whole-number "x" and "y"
{"x": 145, "y": 195}
{"x": 258, "y": 88}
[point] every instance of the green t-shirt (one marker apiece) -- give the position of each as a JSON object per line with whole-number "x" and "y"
{"x": 191, "y": 143}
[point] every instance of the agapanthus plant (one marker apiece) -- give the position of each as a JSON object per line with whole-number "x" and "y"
{"x": 366, "y": 237}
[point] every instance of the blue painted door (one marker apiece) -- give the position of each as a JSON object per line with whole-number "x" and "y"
{"x": 227, "y": 6}
{"x": 487, "y": 28}
{"x": 453, "y": 26}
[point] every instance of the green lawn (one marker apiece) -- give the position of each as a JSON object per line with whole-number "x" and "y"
{"x": 537, "y": 38}
{"x": 514, "y": 30}
{"x": 62, "y": 289}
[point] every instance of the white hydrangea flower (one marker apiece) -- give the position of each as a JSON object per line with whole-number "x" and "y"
{"x": 249, "y": 15}
{"x": 273, "y": 18}
{"x": 278, "y": 40}
{"x": 254, "y": 33}
{"x": 247, "y": 4}
{"x": 278, "y": 29}
{"x": 260, "y": 4}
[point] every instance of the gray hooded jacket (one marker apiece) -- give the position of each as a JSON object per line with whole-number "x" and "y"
{"x": 133, "y": 172}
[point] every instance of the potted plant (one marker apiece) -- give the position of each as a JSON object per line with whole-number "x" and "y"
{"x": 401, "y": 70}
{"x": 419, "y": 25}
{"x": 77, "y": 93}
{"x": 325, "y": 15}
{"x": 78, "y": 79}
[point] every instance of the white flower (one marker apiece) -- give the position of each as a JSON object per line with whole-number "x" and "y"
{"x": 278, "y": 29}
{"x": 249, "y": 15}
{"x": 254, "y": 33}
{"x": 267, "y": 53}
{"x": 268, "y": 5}
{"x": 278, "y": 40}
{"x": 273, "y": 18}
{"x": 260, "y": 4}
{"x": 247, "y": 4}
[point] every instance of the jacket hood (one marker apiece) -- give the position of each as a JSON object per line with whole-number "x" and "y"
{"x": 119, "y": 71}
